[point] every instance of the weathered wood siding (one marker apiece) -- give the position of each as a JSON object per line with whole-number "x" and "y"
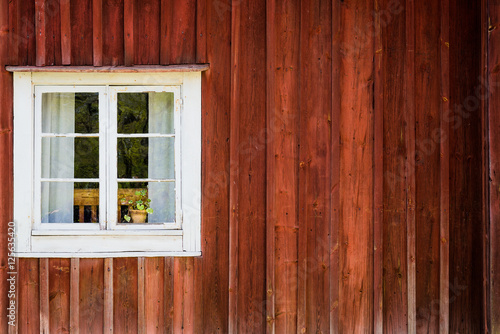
{"x": 345, "y": 176}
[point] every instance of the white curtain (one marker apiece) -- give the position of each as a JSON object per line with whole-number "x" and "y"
{"x": 58, "y": 156}
{"x": 161, "y": 158}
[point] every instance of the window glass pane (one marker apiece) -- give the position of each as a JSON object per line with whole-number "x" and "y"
{"x": 69, "y": 202}
{"x": 65, "y": 157}
{"x": 133, "y": 157}
{"x": 146, "y": 113}
{"x": 70, "y": 113}
{"x": 146, "y": 158}
{"x": 160, "y": 194}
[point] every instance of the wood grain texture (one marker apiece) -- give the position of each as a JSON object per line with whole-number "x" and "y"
{"x": 74, "y": 296}
{"x": 181, "y": 31}
{"x": 81, "y": 32}
{"x": 356, "y": 168}
{"x": 444, "y": 230}
{"x": 395, "y": 132}
{"x": 53, "y": 33}
{"x": 59, "y": 295}
{"x": 29, "y": 297}
{"x": 6, "y": 177}
{"x": 250, "y": 157}
{"x": 427, "y": 171}
{"x": 282, "y": 164}
{"x": 97, "y": 37}
{"x": 314, "y": 165}
{"x": 113, "y": 35}
{"x": 147, "y": 32}
{"x": 108, "y": 296}
{"x": 125, "y": 295}
{"x": 378, "y": 179}
{"x": 168, "y": 296}
{"x": 40, "y": 29}
{"x": 212, "y": 270}
{"x": 154, "y": 270}
{"x": 14, "y": 13}
{"x": 128, "y": 34}
{"x": 27, "y": 33}
{"x": 466, "y": 235}
{"x": 91, "y": 291}
{"x": 494, "y": 157}
{"x": 65, "y": 11}
{"x": 44, "y": 296}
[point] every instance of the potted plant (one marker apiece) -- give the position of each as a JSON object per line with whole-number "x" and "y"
{"x": 138, "y": 208}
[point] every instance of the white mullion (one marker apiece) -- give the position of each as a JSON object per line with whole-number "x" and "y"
{"x": 67, "y": 180}
{"x": 178, "y": 157}
{"x": 69, "y": 135}
{"x": 112, "y": 156}
{"x": 144, "y": 135}
{"x": 146, "y": 180}
{"x": 103, "y": 125}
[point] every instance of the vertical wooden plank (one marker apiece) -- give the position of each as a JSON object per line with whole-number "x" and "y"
{"x": 466, "y": 226}
{"x": 141, "y": 283}
{"x": 168, "y": 296}
{"x": 27, "y": 31}
{"x": 29, "y": 297}
{"x": 181, "y": 31}
{"x": 283, "y": 32}
{"x": 165, "y": 22}
{"x": 147, "y": 32}
{"x": 74, "y": 303}
{"x": 233, "y": 172}
{"x": 178, "y": 300}
{"x": 201, "y": 31}
{"x": 337, "y": 27}
{"x": 65, "y": 31}
{"x": 356, "y": 168}
{"x": 212, "y": 270}
{"x": 444, "y": 235}
{"x": 410, "y": 101}
{"x": 108, "y": 296}
{"x": 483, "y": 96}
{"x": 494, "y": 159}
{"x": 247, "y": 193}
{"x": 44, "y": 296}
{"x": 40, "y": 32}
{"x": 81, "y": 32}
{"x": 397, "y": 112}
{"x": 154, "y": 270}
{"x": 125, "y": 304}
{"x": 188, "y": 295}
{"x": 14, "y": 33}
{"x": 128, "y": 25}
{"x": 52, "y": 32}
{"x": 113, "y": 35}
{"x": 59, "y": 295}
{"x": 92, "y": 293}
{"x": 271, "y": 212}
{"x": 427, "y": 176}
{"x": 6, "y": 144}
{"x": 378, "y": 179}
{"x": 97, "y": 31}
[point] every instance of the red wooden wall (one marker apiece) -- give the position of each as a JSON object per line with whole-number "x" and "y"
{"x": 349, "y": 166}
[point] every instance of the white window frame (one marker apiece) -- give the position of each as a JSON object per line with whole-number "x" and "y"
{"x": 107, "y": 239}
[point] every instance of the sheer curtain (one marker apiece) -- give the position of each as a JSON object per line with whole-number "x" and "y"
{"x": 161, "y": 157}
{"x": 58, "y": 156}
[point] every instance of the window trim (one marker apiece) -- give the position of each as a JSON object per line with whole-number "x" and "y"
{"x": 185, "y": 241}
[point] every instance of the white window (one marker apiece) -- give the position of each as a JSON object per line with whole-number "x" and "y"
{"x": 107, "y": 164}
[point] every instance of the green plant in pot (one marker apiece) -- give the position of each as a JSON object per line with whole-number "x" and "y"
{"x": 139, "y": 207}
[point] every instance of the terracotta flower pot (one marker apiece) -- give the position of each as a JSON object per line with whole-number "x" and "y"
{"x": 138, "y": 216}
